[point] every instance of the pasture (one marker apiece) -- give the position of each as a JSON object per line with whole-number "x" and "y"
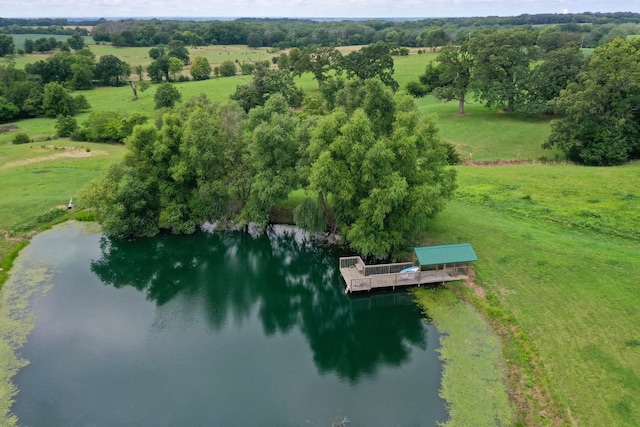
{"x": 565, "y": 287}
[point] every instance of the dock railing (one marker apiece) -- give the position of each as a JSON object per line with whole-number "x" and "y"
{"x": 361, "y": 277}
{"x": 353, "y": 261}
{"x": 370, "y": 270}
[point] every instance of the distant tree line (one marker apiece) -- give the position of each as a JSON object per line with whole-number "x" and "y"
{"x": 53, "y": 24}
{"x": 53, "y": 29}
{"x": 588, "y": 28}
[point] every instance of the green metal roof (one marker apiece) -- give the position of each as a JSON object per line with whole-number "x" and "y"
{"x": 445, "y": 254}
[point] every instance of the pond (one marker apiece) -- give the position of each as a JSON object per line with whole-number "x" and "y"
{"x": 218, "y": 329}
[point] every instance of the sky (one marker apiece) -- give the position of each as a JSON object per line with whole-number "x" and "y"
{"x": 303, "y": 8}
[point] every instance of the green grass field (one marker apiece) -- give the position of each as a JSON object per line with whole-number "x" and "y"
{"x": 135, "y": 56}
{"x": 215, "y": 54}
{"x": 42, "y": 176}
{"x": 572, "y": 290}
{"x": 558, "y": 244}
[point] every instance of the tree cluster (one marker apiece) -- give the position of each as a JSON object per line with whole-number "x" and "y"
{"x": 23, "y": 93}
{"x": 22, "y": 96}
{"x": 600, "y": 122}
{"x": 376, "y": 170}
{"x": 168, "y": 62}
{"x": 502, "y": 68}
{"x": 325, "y": 63}
{"x": 100, "y": 126}
{"x": 41, "y": 45}
{"x": 596, "y": 97}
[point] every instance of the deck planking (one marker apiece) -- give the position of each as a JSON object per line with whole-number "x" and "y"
{"x": 356, "y": 281}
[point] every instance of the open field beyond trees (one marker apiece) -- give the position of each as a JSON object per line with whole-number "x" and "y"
{"x": 558, "y": 244}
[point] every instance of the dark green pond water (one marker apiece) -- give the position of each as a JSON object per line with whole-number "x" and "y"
{"x": 222, "y": 329}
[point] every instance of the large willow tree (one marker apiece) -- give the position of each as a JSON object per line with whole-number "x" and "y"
{"x": 379, "y": 169}
{"x": 203, "y": 163}
{"x": 378, "y": 185}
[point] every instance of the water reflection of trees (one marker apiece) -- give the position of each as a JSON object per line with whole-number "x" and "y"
{"x": 288, "y": 279}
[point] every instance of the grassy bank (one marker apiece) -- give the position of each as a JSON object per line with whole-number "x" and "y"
{"x": 40, "y": 179}
{"x": 567, "y": 295}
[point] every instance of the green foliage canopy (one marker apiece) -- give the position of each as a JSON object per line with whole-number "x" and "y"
{"x": 601, "y": 122}
{"x": 501, "y": 65}
{"x": 264, "y": 83}
{"x": 371, "y": 61}
{"x": 193, "y": 168}
{"x": 58, "y": 101}
{"x": 6, "y": 45}
{"x": 548, "y": 78}
{"x": 166, "y": 96}
{"x": 378, "y": 188}
{"x": 128, "y": 205}
{"x": 112, "y": 71}
{"x": 200, "y": 68}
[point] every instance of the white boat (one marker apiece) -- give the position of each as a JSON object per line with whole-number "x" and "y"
{"x": 409, "y": 272}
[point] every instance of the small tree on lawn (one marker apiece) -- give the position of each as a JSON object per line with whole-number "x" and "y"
{"x": 175, "y": 67}
{"x": 228, "y": 69}
{"x": 57, "y": 101}
{"x": 166, "y": 96}
{"x": 65, "y": 126}
{"x": 200, "y": 68}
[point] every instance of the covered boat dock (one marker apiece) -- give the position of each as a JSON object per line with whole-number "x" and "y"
{"x": 435, "y": 264}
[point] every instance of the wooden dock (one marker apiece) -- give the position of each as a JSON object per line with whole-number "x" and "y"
{"x": 361, "y": 277}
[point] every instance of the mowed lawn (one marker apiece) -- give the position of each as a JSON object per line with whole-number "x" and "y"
{"x": 38, "y": 177}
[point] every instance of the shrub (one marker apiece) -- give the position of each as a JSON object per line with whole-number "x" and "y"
{"x": 8, "y": 111}
{"x": 166, "y": 96}
{"x": 81, "y": 103}
{"x": 21, "y": 138}
{"x": 453, "y": 157}
{"x": 417, "y": 89}
{"x": 108, "y": 126}
{"x": 65, "y": 126}
{"x": 227, "y": 69}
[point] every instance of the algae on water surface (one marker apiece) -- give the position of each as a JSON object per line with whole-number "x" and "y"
{"x": 474, "y": 374}
{"x": 27, "y": 280}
